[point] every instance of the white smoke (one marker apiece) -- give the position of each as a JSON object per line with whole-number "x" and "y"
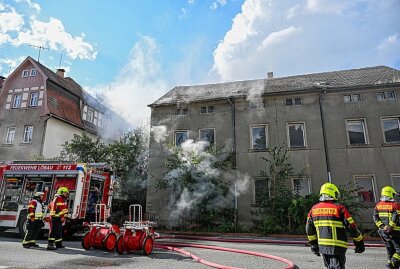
{"x": 159, "y": 133}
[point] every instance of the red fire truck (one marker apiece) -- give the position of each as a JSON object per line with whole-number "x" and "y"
{"x": 88, "y": 185}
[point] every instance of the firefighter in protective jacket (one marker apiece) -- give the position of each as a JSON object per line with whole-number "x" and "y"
{"x": 386, "y": 219}
{"x": 327, "y": 223}
{"x": 58, "y": 213}
{"x": 35, "y": 220}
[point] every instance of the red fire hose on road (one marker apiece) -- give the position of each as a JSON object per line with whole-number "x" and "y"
{"x": 172, "y": 246}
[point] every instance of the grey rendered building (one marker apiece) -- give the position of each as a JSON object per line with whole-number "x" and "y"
{"x": 342, "y": 125}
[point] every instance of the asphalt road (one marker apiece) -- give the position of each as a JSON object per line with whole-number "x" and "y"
{"x": 13, "y": 255}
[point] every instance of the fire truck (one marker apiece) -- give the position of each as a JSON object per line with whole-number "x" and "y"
{"x": 88, "y": 185}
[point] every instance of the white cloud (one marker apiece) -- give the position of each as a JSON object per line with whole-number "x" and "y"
{"x": 216, "y": 4}
{"x": 137, "y": 84}
{"x": 190, "y": 1}
{"x": 10, "y": 20}
{"x": 35, "y": 6}
{"x": 292, "y": 37}
{"x": 8, "y": 65}
{"x": 52, "y": 34}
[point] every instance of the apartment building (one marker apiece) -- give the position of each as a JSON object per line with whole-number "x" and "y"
{"x": 41, "y": 109}
{"x": 341, "y": 125}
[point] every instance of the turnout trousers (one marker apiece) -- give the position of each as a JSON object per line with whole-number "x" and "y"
{"x": 56, "y": 232}
{"x": 33, "y": 230}
{"x": 334, "y": 261}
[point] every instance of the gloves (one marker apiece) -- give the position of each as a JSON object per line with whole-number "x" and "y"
{"x": 314, "y": 247}
{"x": 360, "y": 248}
{"x": 384, "y": 235}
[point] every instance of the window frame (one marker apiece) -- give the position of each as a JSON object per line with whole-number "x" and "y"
{"x": 90, "y": 111}
{"x": 180, "y": 131}
{"x": 181, "y": 111}
{"x": 351, "y": 97}
{"x": 33, "y": 72}
{"x": 27, "y": 134}
{"x": 265, "y": 125}
{"x": 288, "y": 124}
{"x": 30, "y": 99}
{"x": 308, "y": 178}
{"x": 392, "y": 176}
{"x": 255, "y": 202}
{"x": 25, "y": 73}
{"x": 383, "y": 130}
{"x": 15, "y": 98}
{"x": 384, "y": 95}
{"x": 215, "y": 138}
{"x": 365, "y": 130}
{"x": 373, "y": 183}
{"x": 8, "y": 133}
{"x": 293, "y": 101}
{"x": 207, "y": 109}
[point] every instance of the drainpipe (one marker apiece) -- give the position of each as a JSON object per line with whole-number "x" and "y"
{"x": 328, "y": 167}
{"x": 234, "y": 159}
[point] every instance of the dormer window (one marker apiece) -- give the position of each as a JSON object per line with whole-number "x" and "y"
{"x": 33, "y": 73}
{"x": 25, "y": 73}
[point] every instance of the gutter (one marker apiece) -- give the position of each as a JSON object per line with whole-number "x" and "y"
{"x": 328, "y": 167}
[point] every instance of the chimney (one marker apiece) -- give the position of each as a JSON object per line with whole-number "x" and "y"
{"x": 60, "y": 72}
{"x": 270, "y": 75}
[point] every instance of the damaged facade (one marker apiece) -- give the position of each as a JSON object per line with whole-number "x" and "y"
{"x": 41, "y": 109}
{"x": 341, "y": 124}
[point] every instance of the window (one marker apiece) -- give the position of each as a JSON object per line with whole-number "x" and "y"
{"x": 396, "y": 181}
{"x": 28, "y": 131}
{"x": 182, "y": 111}
{"x": 352, "y": 98}
{"x": 10, "y": 135}
{"x": 34, "y": 99}
{"x": 389, "y": 95}
{"x": 207, "y": 135}
{"x": 296, "y": 135}
{"x": 89, "y": 115}
{"x": 207, "y": 109}
{"x": 301, "y": 186}
{"x": 367, "y": 189}
{"x": 259, "y": 136}
{"x": 293, "y": 101}
{"x": 33, "y": 73}
{"x": 180, "y": 137}
{"x": 17, "y": 100}
{"x": 357, "y": 134}
{"x": 261, "y": 190}
{"x": 25, "y": 73}
{"x": 391, "y": 130}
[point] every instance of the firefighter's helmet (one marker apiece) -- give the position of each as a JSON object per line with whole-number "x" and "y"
{"x": 37, "y": 194}
{"x": 388, "y": 192}
{"x": 331, "y": 190}
{"x": 62, "y": 190}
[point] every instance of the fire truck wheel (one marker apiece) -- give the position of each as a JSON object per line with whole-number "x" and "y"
{"x": 109, "y": 242}
{"x": 23, "y": 222}
{"x": 86, "y": 241}
{"x": 120, "y": 244}
{"x": 148, "y": 245}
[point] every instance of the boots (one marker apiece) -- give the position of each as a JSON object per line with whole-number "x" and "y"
{"x": 51, "y": 246}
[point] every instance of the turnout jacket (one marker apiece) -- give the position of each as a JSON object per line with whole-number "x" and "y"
{"x": 327, "y": 222}
{"x": 35, "y": 210}
{"x": 59, "y": 207}
{"x": 386, "y": 213}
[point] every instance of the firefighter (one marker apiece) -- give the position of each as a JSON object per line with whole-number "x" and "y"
{"x": 327, "y": 223}
{"x": 35, "y": 220}
{"x": 386, "y": 219}
{"x": 58, "y": 213}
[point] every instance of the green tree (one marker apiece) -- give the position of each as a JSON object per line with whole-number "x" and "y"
{"x": 195, "y": 175}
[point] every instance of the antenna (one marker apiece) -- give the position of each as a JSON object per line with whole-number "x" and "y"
{"x": 9, "y": 69}
{"x": 40, "y": 48}
{"x": 59, "y": 66}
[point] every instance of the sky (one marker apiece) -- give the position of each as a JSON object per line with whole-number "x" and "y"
{"x": 132, "y": 52}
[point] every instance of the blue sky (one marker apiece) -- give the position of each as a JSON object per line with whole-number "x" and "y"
{"x": 132, "y": 52}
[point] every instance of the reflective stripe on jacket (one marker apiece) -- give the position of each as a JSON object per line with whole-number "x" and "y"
{"x": 58, "y": 207}
{"x": 35, "y": 209}
{"x": 383, "y": 214}
{"x": 328, "y": 222}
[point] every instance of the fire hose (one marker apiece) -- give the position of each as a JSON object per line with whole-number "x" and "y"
{"x": 174, "y": 247}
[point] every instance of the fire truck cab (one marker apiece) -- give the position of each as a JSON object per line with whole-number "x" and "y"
{"x": 88, "y": 185}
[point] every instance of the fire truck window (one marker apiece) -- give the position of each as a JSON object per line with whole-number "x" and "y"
{"x": 12, "y": 193}
{"x": 31, "y": 187}
{"x": 71, "y": 199}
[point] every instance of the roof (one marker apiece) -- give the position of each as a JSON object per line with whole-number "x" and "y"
{"x": 363, "y": 77}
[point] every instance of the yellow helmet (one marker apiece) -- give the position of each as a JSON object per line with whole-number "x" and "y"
{"x": 388, "y": 192}
{"x": 330, "y": 189}
{"x": 62, "y": 190}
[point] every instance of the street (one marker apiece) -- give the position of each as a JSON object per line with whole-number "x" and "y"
{"x": 13, "y": 255}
